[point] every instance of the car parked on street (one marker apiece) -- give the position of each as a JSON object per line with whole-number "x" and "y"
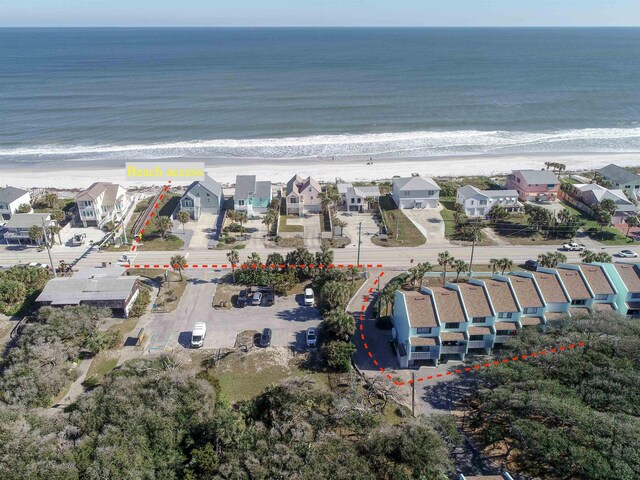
{"x": 241, "y": 301}
{"x": 627, "y": 254}
{"x": 531, "y": 265}
{"x": 312, "y": 338}
{"x": 265, "y": 338}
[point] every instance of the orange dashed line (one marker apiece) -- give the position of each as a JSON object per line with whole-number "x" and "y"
{"x": 366, "y": 346}
{"x": 370, "y": 354}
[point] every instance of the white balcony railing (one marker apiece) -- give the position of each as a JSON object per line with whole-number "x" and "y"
{"x": 424, "y": 355}
{"x": 453, "y": 349}
{"x": 480, "y": 344}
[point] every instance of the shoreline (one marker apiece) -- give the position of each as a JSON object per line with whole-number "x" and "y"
{"x": 224, "y": 170}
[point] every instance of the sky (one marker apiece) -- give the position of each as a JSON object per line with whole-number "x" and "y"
{"x": 268, "y": 13}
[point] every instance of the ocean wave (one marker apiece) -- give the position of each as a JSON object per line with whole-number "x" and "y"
{"x": 390, "y": 145}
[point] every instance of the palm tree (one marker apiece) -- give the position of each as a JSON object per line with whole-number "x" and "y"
{"x": 269, "y": 219}
{"x": 632, "y": 222}
{"x": 36, "y": 233}
{"x": 494, "y": 263}
{"x": 602, "y": 257}
{"x": 445, "y": 260}
{"x": 588, "y": 256}
{"x": 254, "y": 259}
{"x": 425, "y": 267}
{"x": 354, "y": 272}
{"x": 505, "y": 264}
{"x": 551, "y": 259}
{"x": 49, "y": 199}
{"x": 460, "y": 266}
{"x": 233, "y": 258}
{"x": 164, "y": 225}
{"x": 53, "y": 231}
{"x": 339, "y": 324}
{"x": 177, "y": 262}
{"x": 242, "y": 218}
{"x": 183, "y": 217}
{"x": 414, "y": 275}
{"x": 57, "y": 215}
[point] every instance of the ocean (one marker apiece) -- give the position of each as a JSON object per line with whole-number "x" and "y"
{"x": 111, "y": 95}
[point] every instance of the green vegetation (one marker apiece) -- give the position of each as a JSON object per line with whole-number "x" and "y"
{"x": 401, "y": 232}
{"x": 157, "y": 235}
{"x": 448, "y": 214}
{"x": 19, "y": 287}
{"x": 286, "y": 228}
{"x": 141, "y": 303}
{"x": 571, "y": 415}
{"x": 604, "y": 234}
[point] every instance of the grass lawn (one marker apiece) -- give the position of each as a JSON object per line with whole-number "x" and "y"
{"x": 230, "y": 246}
{"x": 606, "y": 235}
{"x": 447, "y": 216}
{"x": 286, "y": 228}
{"x": 124, "y": 327}
{"x": 151, "y": 239}
{"x": 408, "y": 234}
{"x": 101, "y": 365}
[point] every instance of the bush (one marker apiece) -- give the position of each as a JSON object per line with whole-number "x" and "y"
{"x": 140, "y": 304}
{"x": 234, "y": 227}
{"x": 338, "y": 355}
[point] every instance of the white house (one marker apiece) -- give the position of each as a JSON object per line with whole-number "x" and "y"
{"x": 303, "y": 195}
{"x": 416, "y": 192}
{"x": 205, "y": 196}
{"x": 592, "y": 194}
{"x": 251, "y": 196}
{"x": 102, "y": 202}
{"x": 355, "y": 198}
{"x": 477, "y": 203}
{"x": 10, "y": 199}
{"x": 19, "y": 225}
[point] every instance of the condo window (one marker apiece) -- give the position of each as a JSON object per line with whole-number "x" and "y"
{"x": 529, "y": 310}
{"x": 423, "y": 330}
{"x": 601, "y": 296}
{"x": 635, "y": 295}
{"x": 476, "y": 337}
{"x": 452, "y": 325}
{"x": 478, "y": 319}
{"x": 505, "y": 332}
{"x": 505, "y": 315}
{"x": 578, "y": 302}
{"x": 241, "y": 202}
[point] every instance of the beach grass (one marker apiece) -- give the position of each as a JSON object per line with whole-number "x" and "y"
{"x": 407, "y": 235}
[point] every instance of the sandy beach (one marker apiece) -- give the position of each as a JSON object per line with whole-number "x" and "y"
{"x": 69, "y": 175}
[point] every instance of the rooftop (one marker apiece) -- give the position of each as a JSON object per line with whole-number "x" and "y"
{"x": 448, "y": 305}
{"x": 526, "y": 291}
{"x": 550, "y": 287}
{"x": 501, "y": 296}
{"x": 618, "y": 174}
{"x": 423, "y": 341}
{"x": 209, "y": 183}
{"x": 416, "y": 183}
{"x": 28, "y": 220}
{"x": 470, "y": 191}
{"x": 420, "y": 308}
{"x": 538, "y": 177}
{"x": 630, "y": 276}
{"x": 475, "y": 300}
{"x": 574, "y": 284}
{"x": 73, "y": 291}
{"x": 11, "y": 194}
{"x": 506, "y": 326}
{"x": 111, "y": 191}
{"x": 597, "y": 279}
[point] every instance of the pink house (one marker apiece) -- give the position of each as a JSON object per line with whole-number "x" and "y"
{"x": 536, "y": 185}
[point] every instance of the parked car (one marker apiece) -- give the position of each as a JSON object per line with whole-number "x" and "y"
{"x": 39, "y": 265}
{"x": 627, "y": 254}
{"x": 241, "y": 302}
{"x": 269, "y": 299}
{"x": 573, "y": 247}
{"x": 78, "y": 239}
{"x": 308, "y": 297}
{"x": 198, "y": 334}
{"x": 265, "y": 338}
{"x": 256, "y": 299}
{"x": 531, "y": 265}
{"x": 311, "y": 337}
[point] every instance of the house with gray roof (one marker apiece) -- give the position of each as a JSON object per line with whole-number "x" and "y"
{"x": 19, "y": 225}
{"x": 103, "y": 202}
{"x": 416, "y": 192}
{"x": 620, "y": 178}
{"x": 10, "y": 199}
{"x": 302, "y": 195}
{"x": 251, "y": 196}
{"x": 116, "y": 293}
{"x": 357, "y": 199}
{"x": 477, "y": 203}
{"x": 534, "y": 185}
{"x": 203, "y": 196}
{"x": 590, "y": 195}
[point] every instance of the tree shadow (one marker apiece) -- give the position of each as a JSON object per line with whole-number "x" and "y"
{"x": 299, "y": 314}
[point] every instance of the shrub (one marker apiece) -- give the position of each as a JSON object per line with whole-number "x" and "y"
{"x": 338, "y": 355}
{"x": 140, "y": 304}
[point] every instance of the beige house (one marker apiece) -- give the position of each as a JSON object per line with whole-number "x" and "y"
{"x": 101, "y": 203}
{"x": 302, "y": 195}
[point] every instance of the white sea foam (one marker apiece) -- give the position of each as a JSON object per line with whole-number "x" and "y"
{"x": 390, "y": 145}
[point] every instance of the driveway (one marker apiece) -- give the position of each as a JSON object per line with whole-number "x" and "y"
{"x": 429, "y": 222}
{"x": 353, "y": 219}
{"x": 257, "y": 232}
{"x": 288, "y": 320}
{"x": 203, "y": 230}
{"x": 311, "y": 224}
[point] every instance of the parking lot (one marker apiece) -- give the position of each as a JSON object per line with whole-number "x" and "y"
{"x": 288, "y": 319}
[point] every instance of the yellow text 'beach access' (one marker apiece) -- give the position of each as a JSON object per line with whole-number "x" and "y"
{"x": 157, "y": 171}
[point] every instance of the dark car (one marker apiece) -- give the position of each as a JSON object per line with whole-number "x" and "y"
{"x": 531, "y": 265}
{"x": 269, "y": 299}
{"x": 241, "y": 302}
{"x": 265, "y": 338}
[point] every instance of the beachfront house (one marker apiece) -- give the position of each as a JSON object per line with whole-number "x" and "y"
{"x": 534, "y": 185}
{"x": 618, "y": 177}
{"x": 587, "y": 196}
{"x": 103, "y": 202}
{"x": 415, "y": 192}
{"x": 357, "y": 199}
{"x": 10, "y": 199}
{"x": 302, "y": 195}
{"x": 477, "y": 203}
{"x": 115, "y": 293}
{"x": 625, "y": 278}
{"x": 19, "y": 226}
{"x": 204, "y": 196}
{"x": 251, "y": 196}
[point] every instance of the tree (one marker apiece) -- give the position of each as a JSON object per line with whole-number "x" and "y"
{"x": 632, "y": 221}
{"x": 233, "y": 257}
{"x": 269, "y": 219}
{"x": 551, "y": 259}
{"x": 36, "y": 233}
{"x": 177, "y": 262}
{"x": 334, "y": 295}
{"x": 460, "y": 266}
{"x": 338, "y": 325}
{"x": 12, "y": 291}
{"x": 164, "y": 226}
{"x": 494, "y": 263}
{"x": 254, "y": 259}
{"x": 324, "y": 256}
{"x": 498, "y": 213}
{"x": 602, "y": 217}
{"x": 275, "y": 259}
{"x": 58, "y": 215}
{"x": 54, "y": 230}
{"x": 608, "y": 206}
{"x": 445, "y": 260}
{"x": 183, "y": 217}
{"x": 24, "y": 208}
{"x": 505, "y": 264}
{"x": 49, "y": 199}
{"x": 589, "y": 256}
{"x": 338, "y": 355}
{"x": 458, "y": 212}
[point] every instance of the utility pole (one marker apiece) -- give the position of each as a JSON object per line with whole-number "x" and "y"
{"x": 359, "y": 242}
{"x": 397, "y": 220}
{"x": 473, "y": 246}
{"x": 46, "y": 244}
{"x": 413, "y": 394}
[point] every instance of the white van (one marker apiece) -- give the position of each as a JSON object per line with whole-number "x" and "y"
{"x": 308, "y": 297}
{"x": 198, "y": 334}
